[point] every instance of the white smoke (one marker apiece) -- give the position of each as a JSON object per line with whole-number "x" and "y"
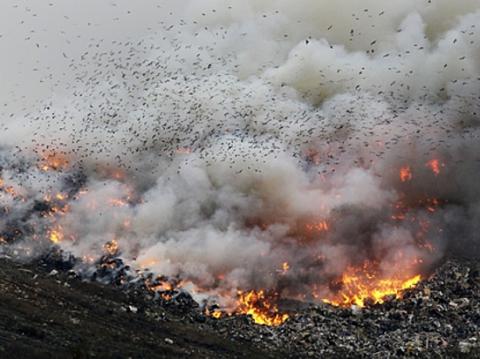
{"x": 238, "y": 123}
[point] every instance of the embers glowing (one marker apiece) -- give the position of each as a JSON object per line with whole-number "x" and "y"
{"x": 10, "y": 190}
{"x": 435, "y": 165}
{"x": 111, "y": 247}
{"x": 402, "y": 208}
{"x": 117, "y": 202}
{"x": 321, "y": 226}
{"x": 54, "y": 162}
{"x": 406, "y": 174}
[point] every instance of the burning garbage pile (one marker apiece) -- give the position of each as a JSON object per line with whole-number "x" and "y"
{"x": 44, "y": 224}
{"x": 242, "y": 159}
{"x": 439, "y": 317}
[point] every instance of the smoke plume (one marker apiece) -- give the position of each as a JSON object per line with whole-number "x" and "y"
{"x": 242, "y": 145}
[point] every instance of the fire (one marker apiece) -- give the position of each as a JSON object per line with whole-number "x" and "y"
{"x": 61, "y": 196}
{"x": 321, "y": 226}
{"x": 358, "y": 286}
{"x": 146, "y": 263}
{"x": 406, "y": 174}
{"x": 117, "y": 202}
{"x": 111, "y": 247}
{"x": 362, "y": 285}
{"x": 10, "y": 190}
{"x": 435, "y": 166}
{"x": 111, "y": 172}
{"x": 159, "y": 286}
{"x": 54, "y": 161}
{"x": 217, "y": 314}
{"x": 260, "y": 308}
{"x": 56, "y": 235}
{"x": 402, "y": 210}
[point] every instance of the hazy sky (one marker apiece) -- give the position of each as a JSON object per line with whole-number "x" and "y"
{"x": 39, "y": 38}
{"x": 35, "y": 35}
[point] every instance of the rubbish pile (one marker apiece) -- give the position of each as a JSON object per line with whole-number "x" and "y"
{"x": 440, "y": 317}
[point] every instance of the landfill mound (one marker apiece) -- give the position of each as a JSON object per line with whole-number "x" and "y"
{"x": 47, "y": 310}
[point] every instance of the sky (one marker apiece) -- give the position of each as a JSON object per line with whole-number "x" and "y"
{"x": 38, "y": 39}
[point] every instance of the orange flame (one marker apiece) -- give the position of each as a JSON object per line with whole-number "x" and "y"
{"x": 362, "y": 285}
{"x": 56, "y": 235}
{"x": 61, "y": 196}
{"x": 321, "y": 226}
{"x": 435, "y": 165}
{"x": 260, "y": 308}
{"x": 10, "y": 190}
{"x": 406, "y": 174}
{"x": 117, "y": 202}
{"x": 54, "y": 161}
{"x": 217, "y": 314}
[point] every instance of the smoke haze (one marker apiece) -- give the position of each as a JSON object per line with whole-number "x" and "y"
{"x": 217, "y": 140}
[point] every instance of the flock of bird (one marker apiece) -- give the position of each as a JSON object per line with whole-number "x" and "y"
{"x": 193, "y": 92}
{"x": 167, "y": 92}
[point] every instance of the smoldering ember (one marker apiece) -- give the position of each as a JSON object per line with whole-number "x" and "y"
{"x": 240, "y": 178}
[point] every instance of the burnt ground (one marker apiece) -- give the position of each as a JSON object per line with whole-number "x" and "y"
{"x": 47, "y": 313}
{"x": 52, "y": 316}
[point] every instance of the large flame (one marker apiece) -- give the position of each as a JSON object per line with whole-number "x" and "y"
{"x": 362, "y": 285}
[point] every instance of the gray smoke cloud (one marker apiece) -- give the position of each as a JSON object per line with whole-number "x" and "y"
{"x": 227, "y": 138}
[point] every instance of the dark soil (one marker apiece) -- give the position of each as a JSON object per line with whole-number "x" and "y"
{"x": 44, "y": 315}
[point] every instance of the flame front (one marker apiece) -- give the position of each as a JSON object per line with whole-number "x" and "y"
{"x": 361, "y": 285}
